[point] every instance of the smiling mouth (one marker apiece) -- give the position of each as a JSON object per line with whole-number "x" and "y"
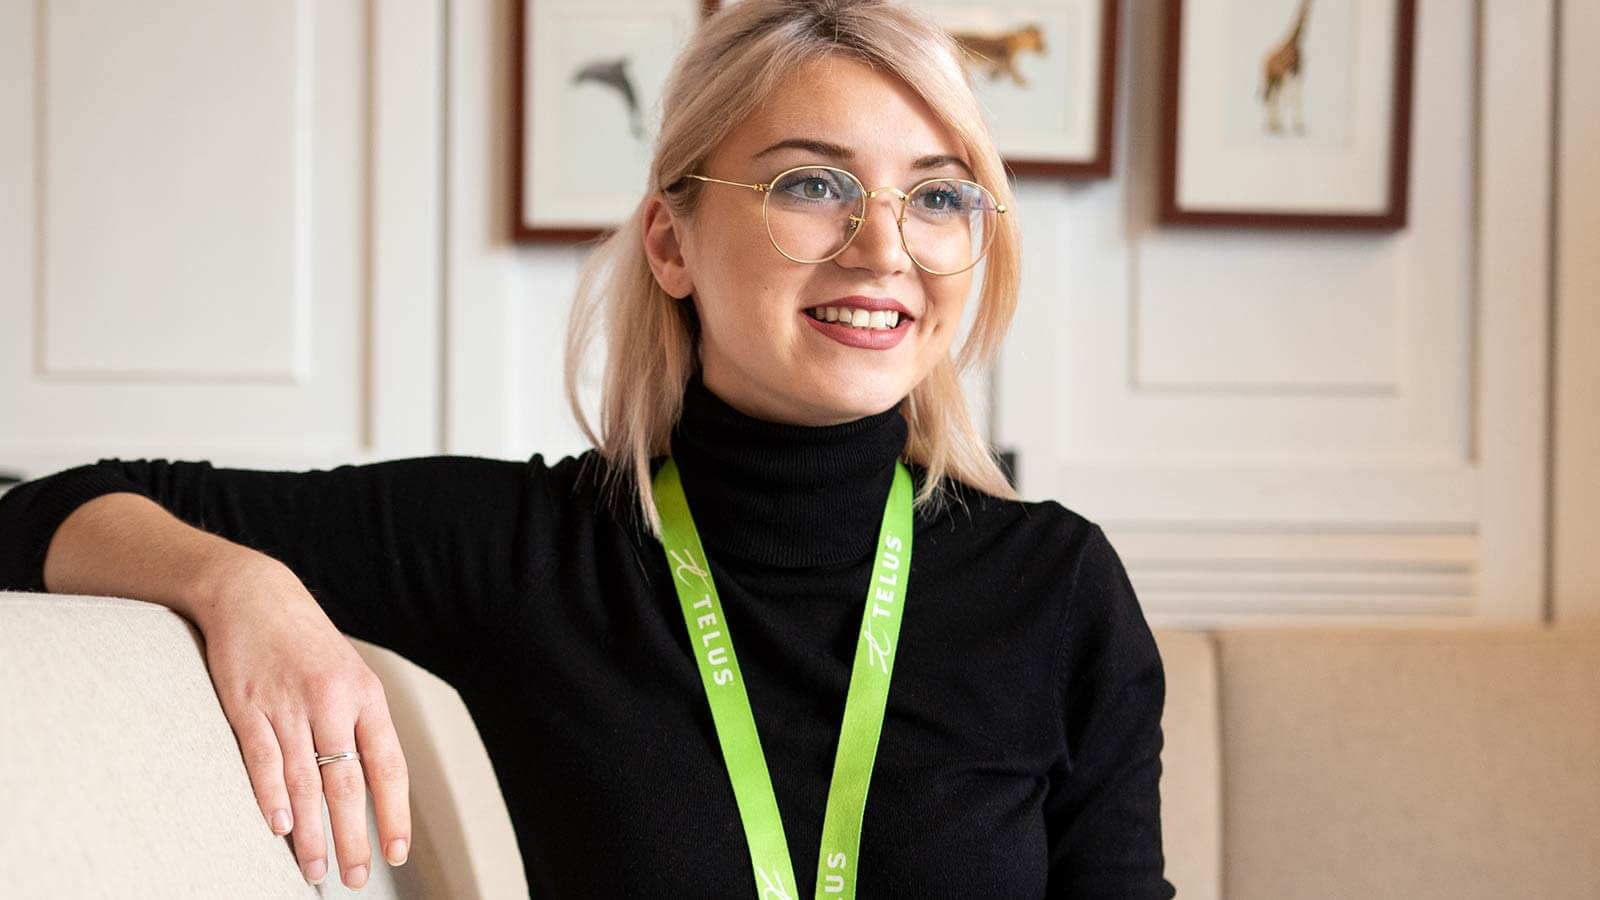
{"x": 855, "y": 317}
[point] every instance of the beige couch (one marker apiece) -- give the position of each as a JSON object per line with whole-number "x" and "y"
{"x": 1309, "y": 763}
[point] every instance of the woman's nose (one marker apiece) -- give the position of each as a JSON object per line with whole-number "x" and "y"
{"x": 877, "y": 245}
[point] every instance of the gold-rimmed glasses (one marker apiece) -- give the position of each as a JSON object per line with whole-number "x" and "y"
{"x": 813, "y": 212}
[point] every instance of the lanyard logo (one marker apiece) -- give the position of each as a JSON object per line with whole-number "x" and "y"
{"x": 686, "y": 563}
{"x": 772, "y": 885}
{"x": 878, "y": 649}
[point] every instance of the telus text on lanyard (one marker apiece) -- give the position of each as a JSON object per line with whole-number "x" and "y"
{"x": 730, "y": 703}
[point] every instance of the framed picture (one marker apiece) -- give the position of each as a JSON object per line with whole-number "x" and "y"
{"x": 589, "y": 75}
{"x": 1045, "y": 73}
{"x": 1287, "y": 113}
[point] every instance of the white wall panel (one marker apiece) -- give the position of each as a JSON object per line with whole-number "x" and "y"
{"x": 191, "y": 260}
{"x": 1202, "y": 322}
{"x": 155, "y": 124}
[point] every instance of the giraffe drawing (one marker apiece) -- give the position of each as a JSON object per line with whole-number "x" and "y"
{"x": 1283, "y": 70}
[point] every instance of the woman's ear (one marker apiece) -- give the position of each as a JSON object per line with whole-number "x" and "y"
{"x": 663, "y": 249}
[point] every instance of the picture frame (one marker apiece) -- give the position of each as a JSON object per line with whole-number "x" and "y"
{"x": 588, "y": 77}
{"x": 1253, "y": 138}
{"x": 1045, "y": 74}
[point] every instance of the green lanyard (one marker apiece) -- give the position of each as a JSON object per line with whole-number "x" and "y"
{"x": 730, "y": 704}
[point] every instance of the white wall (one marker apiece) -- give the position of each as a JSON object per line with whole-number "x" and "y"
{"x": 306, "y": 260}
{"x": 1575, "y": 566}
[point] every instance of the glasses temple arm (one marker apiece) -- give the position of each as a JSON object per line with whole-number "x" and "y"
{"x": 755, "y": 187}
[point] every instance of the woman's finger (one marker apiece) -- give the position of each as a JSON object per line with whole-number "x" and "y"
{"x": 344, "y": 786}
{"x": 388, "y": 778}
{"x": 263, "y": 760}
{"x": 304, "y": 781}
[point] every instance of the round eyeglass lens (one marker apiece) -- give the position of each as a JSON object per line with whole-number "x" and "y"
{"x": 812, "y": 212}
{"x": 948, "y": 225}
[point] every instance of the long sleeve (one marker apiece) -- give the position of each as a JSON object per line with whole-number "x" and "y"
{"x": 1103, "y": 807}
{"x": 418, "y": 555}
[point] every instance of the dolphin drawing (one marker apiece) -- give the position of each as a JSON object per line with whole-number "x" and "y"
{"x": 613, "y": 73}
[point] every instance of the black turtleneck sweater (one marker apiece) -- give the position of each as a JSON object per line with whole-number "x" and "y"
{"x": 1020, "y": 752}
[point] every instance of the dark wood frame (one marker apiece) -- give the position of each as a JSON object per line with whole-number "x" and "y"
{"x": 521, "y": 231}
{"x": 1099, "y": 165}
{"x": 1391, "y": 218}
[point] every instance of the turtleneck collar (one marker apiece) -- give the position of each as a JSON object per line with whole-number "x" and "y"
{"x": 782, "y": 494}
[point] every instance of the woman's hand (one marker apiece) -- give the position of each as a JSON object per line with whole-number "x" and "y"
{"x": 294, "y": 688}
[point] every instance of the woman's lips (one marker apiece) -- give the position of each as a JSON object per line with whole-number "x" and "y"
{"x": 865, "y": 338}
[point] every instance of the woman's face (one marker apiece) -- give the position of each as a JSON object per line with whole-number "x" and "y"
{"x": 761, "y": 349}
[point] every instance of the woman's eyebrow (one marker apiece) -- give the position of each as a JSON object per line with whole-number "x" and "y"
{"x": 840, "y": 152}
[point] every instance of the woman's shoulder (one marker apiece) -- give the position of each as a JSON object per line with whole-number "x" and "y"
{"x": 539, "y": 483}
{"x": 1042, "y": 551}
{"x": 469, "y": 476}
{"x": 578, "y": 477}
{"x": 963, "y": 505}
{"x": 587, "y": 485}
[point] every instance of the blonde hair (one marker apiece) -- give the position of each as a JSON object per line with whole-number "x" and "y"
{"x": 731, "y": 65}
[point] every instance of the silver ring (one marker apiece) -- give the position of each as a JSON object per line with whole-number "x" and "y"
{"x": 335, "y": 757}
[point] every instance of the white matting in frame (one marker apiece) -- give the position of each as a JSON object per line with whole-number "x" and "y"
{"x": 1229, "y": 158}
{"x": 1052, "y": 112}
{"x": 593, "y": 71}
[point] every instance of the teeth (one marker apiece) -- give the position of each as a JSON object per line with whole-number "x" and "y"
{"x": 878, "y": 319}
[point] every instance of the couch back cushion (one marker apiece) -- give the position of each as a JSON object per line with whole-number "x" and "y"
{"x": 1411, "y": 764}
{"x": 118, "y": 766}
{"x": 1191, "y": 800}
{"x": 464, "y": 846}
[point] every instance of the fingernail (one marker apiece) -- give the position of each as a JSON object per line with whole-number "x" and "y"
{"x": 396, "y": 852}
{"x": 316, "y": 870}
{"x": 355, "y": 876}
{"x": 280, "y": 821}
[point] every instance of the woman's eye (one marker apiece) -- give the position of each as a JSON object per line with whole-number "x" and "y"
{"x": 812, "y": 187}
{"x": 941, "y": 200}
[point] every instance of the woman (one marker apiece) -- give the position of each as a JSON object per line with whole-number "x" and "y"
{"x": 761, "y": 467}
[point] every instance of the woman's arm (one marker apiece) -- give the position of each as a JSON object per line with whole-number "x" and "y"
{"x": 1104, "y": 809}
{"x": 125, "y": 544}
{"x": 416, "y": 555}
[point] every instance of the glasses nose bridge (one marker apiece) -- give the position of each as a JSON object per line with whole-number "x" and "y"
{"x": 867, "y": 196}
{"x": 899, "y": 217}
{"x": 888, "y": 187}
